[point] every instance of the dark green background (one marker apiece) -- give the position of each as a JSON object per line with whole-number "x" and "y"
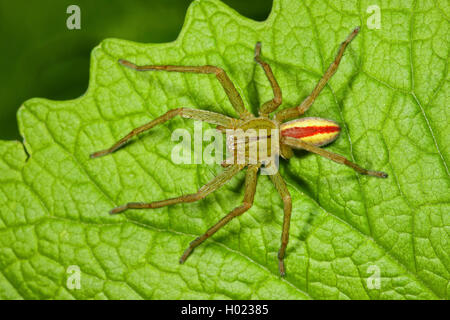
{"x": 40, "y": 57}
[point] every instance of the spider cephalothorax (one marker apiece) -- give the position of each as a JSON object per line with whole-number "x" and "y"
{"x": 303, "y": 133}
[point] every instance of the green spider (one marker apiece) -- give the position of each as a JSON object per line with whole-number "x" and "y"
{"x": 305, "y": 133}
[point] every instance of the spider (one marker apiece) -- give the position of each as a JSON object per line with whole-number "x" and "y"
{"x": 305, "y": 133}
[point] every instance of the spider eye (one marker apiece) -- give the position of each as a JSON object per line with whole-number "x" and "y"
{"x": 316, "y": 131}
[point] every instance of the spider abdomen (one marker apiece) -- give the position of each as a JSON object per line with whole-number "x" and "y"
{"x": 316, "y": 131}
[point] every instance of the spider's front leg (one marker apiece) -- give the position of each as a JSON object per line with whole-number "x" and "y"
{"x": 221, "y": 75}
{"x": 208, "y": 188}
{"x": 202, "y": 115}
{"x": 249, "y": 195}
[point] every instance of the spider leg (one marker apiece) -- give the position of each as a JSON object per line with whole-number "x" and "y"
{"x": 249, "y": 194}
{"x": 203, "y": 115}
{"x": 294, "y": 112}
{"x": 208, "y": 188}
{"x": 280, "y": 185}
{"x": 299, "y": 144}
{"x": 227, "y": 84}
{"x": 273, "y": 104}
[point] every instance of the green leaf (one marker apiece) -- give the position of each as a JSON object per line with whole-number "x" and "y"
{"x": 390, "y": 96}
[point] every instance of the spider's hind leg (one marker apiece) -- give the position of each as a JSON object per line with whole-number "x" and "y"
{"x": 299, "y": 144}
{"x": 294, "y": 112}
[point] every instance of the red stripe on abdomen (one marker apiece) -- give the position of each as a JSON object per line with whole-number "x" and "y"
{"x": 302, "y": 132}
